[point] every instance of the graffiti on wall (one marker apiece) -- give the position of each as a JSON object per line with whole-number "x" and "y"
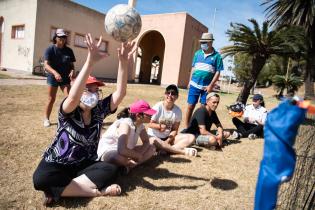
{"x": 24, "y": 51}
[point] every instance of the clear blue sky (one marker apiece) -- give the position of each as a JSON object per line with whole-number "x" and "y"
{"x": 227, "y": 11}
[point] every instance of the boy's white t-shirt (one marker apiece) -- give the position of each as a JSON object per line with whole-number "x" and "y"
{"x": 257, "y": 114}
{"x": 109, "y": 139}
{"x": 167, "y": 117}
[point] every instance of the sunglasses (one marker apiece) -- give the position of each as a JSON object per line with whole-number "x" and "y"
{"x": 172, "y": 93}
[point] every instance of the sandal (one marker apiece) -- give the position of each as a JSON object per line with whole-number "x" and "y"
{"x": 112, "y": 190}
{"x": 192, "y": 152}
{"x": 47, "y": 199}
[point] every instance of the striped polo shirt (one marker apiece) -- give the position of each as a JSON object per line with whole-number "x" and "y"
{"x": 205, "y": 67}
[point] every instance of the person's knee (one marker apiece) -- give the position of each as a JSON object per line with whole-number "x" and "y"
{"x": 40, "y": 181}
{"x": 51, "y": 99}
{"x": 191, "y": 138}
{"x": 191, "y": 107}
{"x": 212, "y": 140}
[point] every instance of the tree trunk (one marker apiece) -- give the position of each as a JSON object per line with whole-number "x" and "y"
{"x": 299, "y": 193}
{"x": 309, "y": 74}
{"x": 257, "y": 65}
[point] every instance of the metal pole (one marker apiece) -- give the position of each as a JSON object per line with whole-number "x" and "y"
{"x": 132, "y": 3}
{"x": 213, "y": 21}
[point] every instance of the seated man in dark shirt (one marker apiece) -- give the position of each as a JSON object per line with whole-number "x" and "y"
{"x": 202, "y": 120}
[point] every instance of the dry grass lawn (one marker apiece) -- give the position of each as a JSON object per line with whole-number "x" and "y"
{"x": 214, "y": 180}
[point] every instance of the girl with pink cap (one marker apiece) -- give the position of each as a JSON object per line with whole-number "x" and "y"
{"x": 118, "y": 144}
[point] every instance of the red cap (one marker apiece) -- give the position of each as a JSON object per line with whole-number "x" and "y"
{"x": 93, "y": 80}
{"x": 141, "y": 106}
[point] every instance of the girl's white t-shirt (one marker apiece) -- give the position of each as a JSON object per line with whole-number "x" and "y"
{"x": 109, "y": 139}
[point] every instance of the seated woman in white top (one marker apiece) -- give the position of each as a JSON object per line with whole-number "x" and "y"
{"x": 118, "y": 144}
{"x": 164, "y": 125}
{"x": 254, "y": 120}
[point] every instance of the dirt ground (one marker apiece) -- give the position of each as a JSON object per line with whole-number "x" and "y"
{"x": 214, "y": 180}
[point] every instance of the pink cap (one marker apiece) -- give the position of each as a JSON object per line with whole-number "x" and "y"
{"x": 141, "y": 106}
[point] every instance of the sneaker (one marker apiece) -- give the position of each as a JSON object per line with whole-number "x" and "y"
{"x": 235, "y": 135}
{"x": 252, "y": 136}
{"x": 46, "y": 123}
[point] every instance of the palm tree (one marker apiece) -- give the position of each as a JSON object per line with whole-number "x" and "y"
{"x": 299, "y": 13}
{"x": 290, "y": 82}
{"x": 259, "y": 44}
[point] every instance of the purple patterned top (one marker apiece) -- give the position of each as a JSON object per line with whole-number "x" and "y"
{"x": 75, "y": 142}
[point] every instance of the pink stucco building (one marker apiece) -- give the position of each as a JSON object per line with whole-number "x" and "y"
{"x": 166, "y": 43}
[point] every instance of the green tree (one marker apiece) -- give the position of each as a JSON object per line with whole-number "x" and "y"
{"x": 242, "y": 66}
{"x": 257, "y": 43}
{"x": 289, "y": 82}
{"x": 299, "y": 13}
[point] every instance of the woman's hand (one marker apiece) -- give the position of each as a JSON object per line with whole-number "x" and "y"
{"x": 94, "y": 54}
{"x": 219, "y": 139}
{"x": 58, "y": 77}
{"x": 125, "y": 51}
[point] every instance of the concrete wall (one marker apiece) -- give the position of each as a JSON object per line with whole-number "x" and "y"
{"x": 76, "y": 19}
{"x": 192, "y": 34}
{"x": 173, "y": 36}
{"x": 18, "y": 53}
{"x": 180, "y": 32}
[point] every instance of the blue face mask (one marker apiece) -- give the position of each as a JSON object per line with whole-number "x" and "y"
{"x": 204, "y": 46}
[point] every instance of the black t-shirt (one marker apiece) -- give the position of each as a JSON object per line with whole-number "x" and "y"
{"x": 60, "y": 59}
{"x": 201, "y": 117}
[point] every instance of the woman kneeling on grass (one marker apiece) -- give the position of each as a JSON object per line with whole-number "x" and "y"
{"x": 164, "y": 125}
{"x": 69, "y": 167}
{"x": 118, "y": 144}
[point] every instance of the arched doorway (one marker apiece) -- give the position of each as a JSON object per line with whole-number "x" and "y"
{"x": 1, "y": 31}
{"x": 150, "y": 58}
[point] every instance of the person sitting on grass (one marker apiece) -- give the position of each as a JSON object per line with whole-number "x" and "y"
{"x": 118, "y": 145}
{"x": 163, "y": 128}
{"x": 202, "y": 120}
{"x": 69, "y": 167}
{"x": 254, "y": 119}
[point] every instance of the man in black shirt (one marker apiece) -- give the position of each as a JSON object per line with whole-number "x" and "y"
{"x": 202, "y": 120}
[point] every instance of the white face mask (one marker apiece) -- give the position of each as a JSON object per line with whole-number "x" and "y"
{"x": 204, "y": 46}
{"x": 89, "y": 99}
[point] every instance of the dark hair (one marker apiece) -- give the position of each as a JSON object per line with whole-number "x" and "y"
{"x": 262, "y": 103}
{"x": 172, "y": 87}
{"x": 125, "y": 113}
{"x": 55, "y": 41}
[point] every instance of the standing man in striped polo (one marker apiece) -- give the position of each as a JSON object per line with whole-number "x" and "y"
{"x": 206, "y": 67}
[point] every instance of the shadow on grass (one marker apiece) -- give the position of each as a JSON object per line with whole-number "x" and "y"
{"x": 137, "y": 176}
{"x": 71, "y": 202}
{"x": 223, "y": 184}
